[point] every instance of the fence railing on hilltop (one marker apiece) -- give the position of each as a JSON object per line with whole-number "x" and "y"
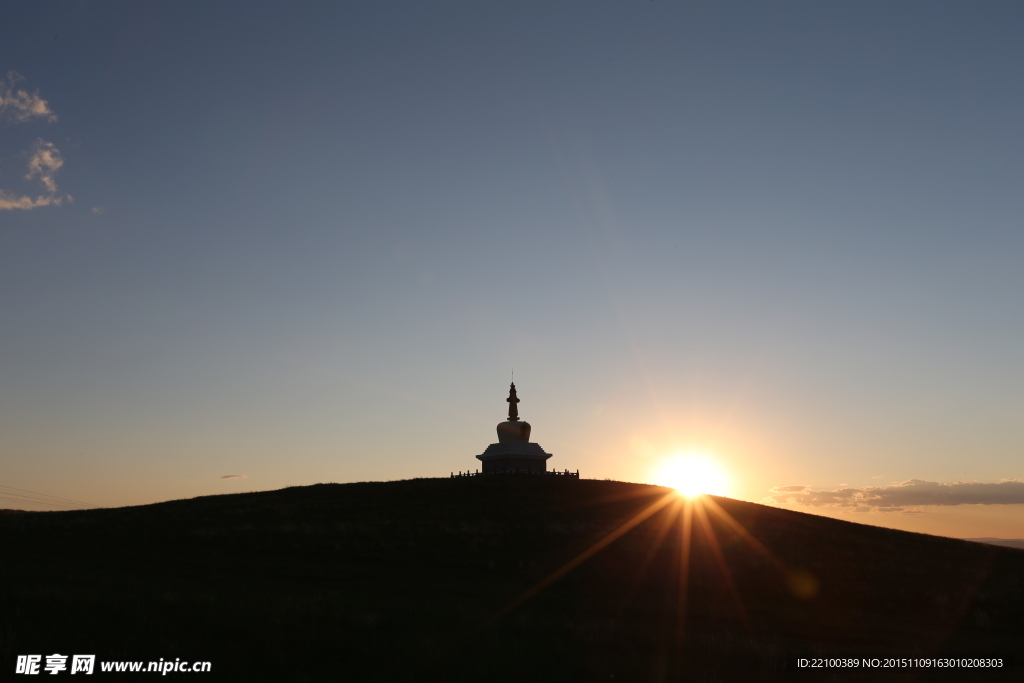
{"x": 525, "y": 473}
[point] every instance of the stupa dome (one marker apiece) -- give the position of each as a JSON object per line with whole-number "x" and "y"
{"x": 511, "y": 432}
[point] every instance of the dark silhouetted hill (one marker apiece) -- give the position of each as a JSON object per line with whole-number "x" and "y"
{"x": 418, "y": 580}
{"x": 1008, "y": 542}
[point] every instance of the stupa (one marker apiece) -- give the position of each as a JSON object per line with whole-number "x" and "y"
{"x": 514, "y": 451}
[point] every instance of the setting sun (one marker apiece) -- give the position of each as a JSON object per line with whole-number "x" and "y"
{"x": 692, "y": 475}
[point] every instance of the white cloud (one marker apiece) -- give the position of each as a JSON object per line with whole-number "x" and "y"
{"x": 20, "y": 106}
{"x": 913, "y": 493}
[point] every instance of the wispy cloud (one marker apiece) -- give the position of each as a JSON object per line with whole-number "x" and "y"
{"x": 234, "y": 476}
{"x": 914, "y": 493}
{"x": 9, "y": 200}
{"x": 20, "y": 106}
{"x": 44, "y": 162}
{"x": 44, "y": 159}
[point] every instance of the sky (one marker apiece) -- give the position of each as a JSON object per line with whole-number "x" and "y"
{"x": 252, "y": 245}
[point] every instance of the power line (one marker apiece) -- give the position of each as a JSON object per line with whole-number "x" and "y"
{"x": 36, "y": 499}
{"x": 46, "y": 495}
{"x": 24, "y": 501}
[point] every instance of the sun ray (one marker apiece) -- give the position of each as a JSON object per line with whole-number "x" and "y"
{"x": 686, "y": 532}
{"x": 716, "y": 550}
{"x": 678, "y": 512}
{"x": 801, "y": 583}
{"x": 720, "y": 512}
{"x": 671, "y": 516}
{"x": 584, "y": 556}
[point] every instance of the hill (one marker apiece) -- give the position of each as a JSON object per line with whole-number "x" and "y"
{"x": 445, "y": 579}
{"x": 1008, "y": 542}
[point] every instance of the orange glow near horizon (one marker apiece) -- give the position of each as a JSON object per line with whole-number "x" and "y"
{"x": 692, "y": 475}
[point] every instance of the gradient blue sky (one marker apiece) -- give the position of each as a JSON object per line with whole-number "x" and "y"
{"x": 306, "y": 242}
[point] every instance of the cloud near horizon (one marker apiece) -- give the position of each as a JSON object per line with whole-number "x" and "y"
{"x": 913, "y": 493}
{"x": 234, "y": 476}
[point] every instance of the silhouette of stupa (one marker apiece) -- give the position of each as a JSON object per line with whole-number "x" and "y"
{"x": 514, "y": 452}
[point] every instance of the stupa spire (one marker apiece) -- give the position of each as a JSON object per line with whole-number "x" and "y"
{"x": 513, "y": 400}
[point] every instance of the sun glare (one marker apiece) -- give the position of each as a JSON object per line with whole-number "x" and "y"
{"x": 692, "y": 475}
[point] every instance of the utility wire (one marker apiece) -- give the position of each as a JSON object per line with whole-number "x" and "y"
{"x": 39, "y": 502}
{"x": 46, "y": 495}
{"x": 35, "y": 499}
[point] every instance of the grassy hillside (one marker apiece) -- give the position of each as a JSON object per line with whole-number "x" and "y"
{"x": 424, "y": 580}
